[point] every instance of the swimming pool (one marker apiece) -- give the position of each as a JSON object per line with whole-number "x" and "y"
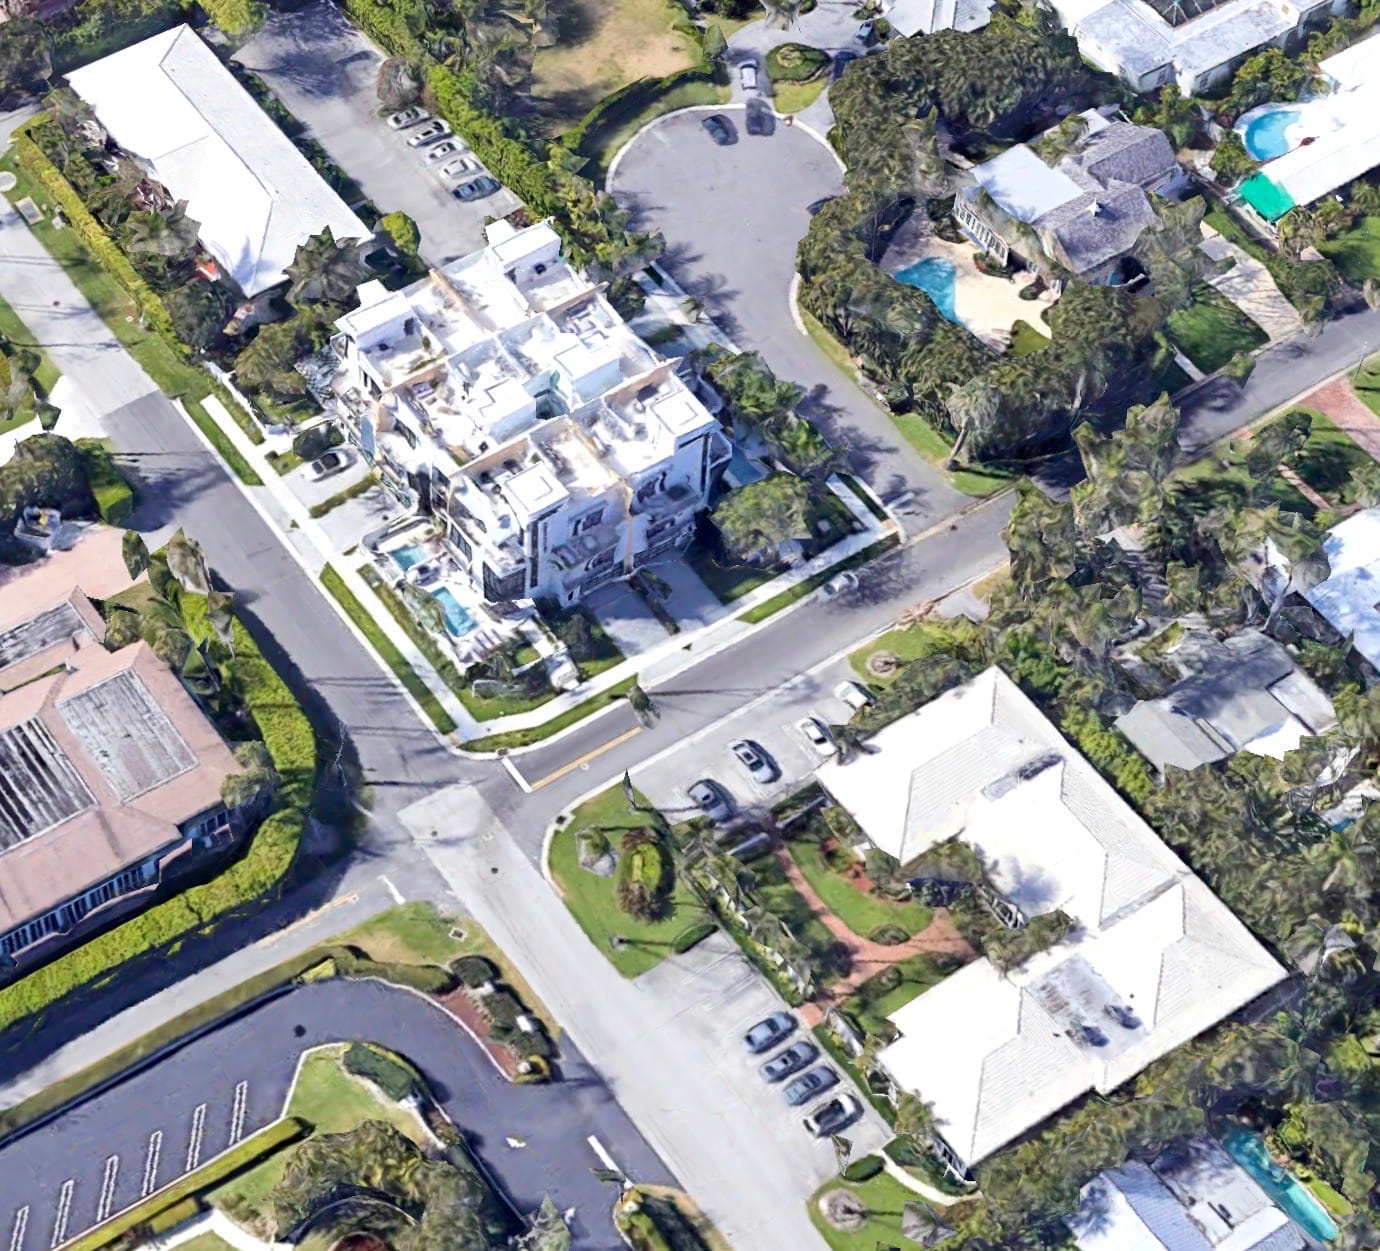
{"x": 1297, "y": 1201}
{"x": 1266, "y": 135}
{"x": 937, "y": 278}
{"x": 409, "y": 556}
{"x": 458, "y": 621}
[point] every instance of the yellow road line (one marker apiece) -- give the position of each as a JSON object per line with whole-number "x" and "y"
{"x": 585, "y": 759}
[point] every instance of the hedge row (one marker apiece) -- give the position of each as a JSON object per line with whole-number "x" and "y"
{"x": 291, "y": 743}
{"x": 387, "y": 1074}
{"x": 619, "y": 107}
{"x": 114, "y": 496}
{"x": 277, "y": 1136}
{"x": 93, "y": 234}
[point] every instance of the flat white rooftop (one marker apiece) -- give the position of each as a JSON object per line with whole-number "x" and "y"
{"x": 171, "y": 102}
{"x": 1350, "y": 597}
{"x": 1154, "y": 959}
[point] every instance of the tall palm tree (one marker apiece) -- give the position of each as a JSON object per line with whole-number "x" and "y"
{"x": 324, "y": 270}
{"x": 172, "y": 234}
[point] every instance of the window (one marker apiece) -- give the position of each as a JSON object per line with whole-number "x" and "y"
{"x": 589, "y": 520}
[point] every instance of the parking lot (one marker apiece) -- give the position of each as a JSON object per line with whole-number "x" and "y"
{"x": 324, "y": 72}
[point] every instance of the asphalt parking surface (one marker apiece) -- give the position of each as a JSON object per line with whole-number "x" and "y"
{"x": 324, "y": 71}
{"x": 101, "y": 1155}
{"x": 732, "y": 217}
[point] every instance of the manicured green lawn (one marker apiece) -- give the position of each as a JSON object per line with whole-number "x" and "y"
{"x": 826, "y": 954}
{"x": 906, "y": 645}
{"x": 1329, "y": 458}
{"x": 524, "y": 738}
{"x": 13, "y": 328}
{"x": 885, "y": 1199}
{"x": 206, "y": 1242}
{"x": 728, "y": 582}
{"x": 1210, "y": 330}
{"x": 1220, "y": 479}
{"x": 791, "y": 97}
{"x": 790, "y": 595}
{"x": 876, "y": 999}
{"x": 591, "y": 898}
{"x": 861, "y": 911}
{"x": 413, "y": 933}
{"x": 1366, "y": 383}
{"x": 334, "y": 1101}
{"x": 1356, "y": 252}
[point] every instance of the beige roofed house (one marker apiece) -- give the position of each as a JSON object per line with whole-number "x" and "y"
{"x": 109, "y": 770}
{"x": 1154, "y": 957}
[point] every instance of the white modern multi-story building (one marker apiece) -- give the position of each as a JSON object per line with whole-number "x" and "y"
{"x": 554, "y": 449}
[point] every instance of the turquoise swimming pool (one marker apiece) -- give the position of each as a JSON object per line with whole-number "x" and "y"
{"x": 1267, "y": 134}
{"x": 406, "y": 557}
{"x": 937, "y": 278}
{"x": 458, "y": 621}
{"x": 1298, "y": 1202}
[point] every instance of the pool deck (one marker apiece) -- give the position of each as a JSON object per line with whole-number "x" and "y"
{"x": 986, "y": 306}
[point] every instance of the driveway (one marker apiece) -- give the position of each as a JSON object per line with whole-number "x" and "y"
{"x": 324, "y": 70}
{"x": 99, "y": 1156}
{"x": 732, "y": 217}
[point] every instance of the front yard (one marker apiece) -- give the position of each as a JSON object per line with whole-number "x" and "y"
{"x": 836, "y": 877}
{"x": 1356, "y": 252}
{"x": 1210, "y": 330}
{"x": 885, "y": 1199}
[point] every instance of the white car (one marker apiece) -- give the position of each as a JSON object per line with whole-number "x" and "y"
{"x": 817, "y": 735}
{"x": 748, "y": 76}
{"x": 841, "y": 583}
{"x": 432, "y": 131}
{"x": 404, "y": 118}
{"x": 854, "y": 694}
{"x": 461, "y": 167}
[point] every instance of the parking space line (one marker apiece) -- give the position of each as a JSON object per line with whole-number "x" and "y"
{"x": 237, "y": 1111}
{"x": 598, "y": 1148}
{"x": 151, "y": 1164}
{"x": 21, "y": 1225}
{"x": 198, "y": 1129}
{"x": 107, "y": 1199}
{"x": 64, "y": 1211}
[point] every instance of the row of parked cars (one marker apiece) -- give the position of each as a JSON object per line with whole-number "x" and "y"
{"x": 444, "y": 152}
{"x": 828, "y": 1117}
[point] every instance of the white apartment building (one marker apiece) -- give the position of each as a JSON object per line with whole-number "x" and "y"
{"x": 554, "y": 449}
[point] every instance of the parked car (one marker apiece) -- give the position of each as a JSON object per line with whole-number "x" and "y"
{"x": 865, "y": 33}
{"x": 432, "y": 131}
{"x": 747, "y": 75}
{"x": 460, "y": 167}
{"x": 328, "y": 464}
{"x": 446, "y": 148}
{"x": 758, "y": 843}
{"x": 840, "y": 583}
{"x": 831, "y": 1117}
{"x": 404, "y": 118}
{"x": 760, "y": 766}
{"x": 853, "y": 694}
{"x": 720, "y": 129}
{"x": 841, "y": 62}
{"x": 817, "y": 735}
{"x": 795, "y": 1057}
{"x": 768, "y": 1032}
{"x": 758, "y": 118}
{"x": 816, "y": 205}
{"x": 813, "y": 1083}
{"x": 476, "y": 188}
{"x": 709, "y": 797}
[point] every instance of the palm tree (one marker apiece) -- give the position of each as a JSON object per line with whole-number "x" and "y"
{"x": 324, "y": 270}
{"x": 914, "y": 1118}
{"x": 171, "y": 234}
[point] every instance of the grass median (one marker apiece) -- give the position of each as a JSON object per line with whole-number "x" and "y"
{"x": 387, "y": 649}
{"x": 770, "y": 607}
{"x": 509, "y": 739}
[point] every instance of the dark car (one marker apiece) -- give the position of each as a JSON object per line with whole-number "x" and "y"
{"x": 476, "y": 188}
{"x": 720, "y": 129}
{"x": 816, "y": 205}
{"x": 831, "y": 1117}
{"x": 709, "y": 797}
{"x": 841, "y": 62}
{"x": 768, "y": 1032}
{"x": 792, "y": 1060}
{"x": 759, "y": 119}
{"x": 813, "y": 1083}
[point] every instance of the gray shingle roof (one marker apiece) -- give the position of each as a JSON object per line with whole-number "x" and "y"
{"x": 1127, "y": 153}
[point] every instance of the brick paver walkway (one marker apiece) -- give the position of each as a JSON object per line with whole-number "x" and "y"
{"x": 866, "y": 958}
{"x": 1349, "y": 414}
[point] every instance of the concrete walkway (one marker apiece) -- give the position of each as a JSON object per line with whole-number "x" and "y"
{"x": 866, "y": 958}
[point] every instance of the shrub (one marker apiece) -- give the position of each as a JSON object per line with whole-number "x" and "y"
{"x": 644, "y": 872}
{"x": 392, "y": 1077}
{"x": 114, "y": 496}
{"x": 475, "y": 971}
{"x": 237, "y": 18}
{"x": 888, "y": 935}
{"x": 863, "y": 1168}
{"x": 795, "y": 62}
{"x": 692, "y": 936}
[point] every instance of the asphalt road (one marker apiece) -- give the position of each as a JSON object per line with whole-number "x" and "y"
{"x": 148, "y": 1130}
{"x": 732, "y": 217}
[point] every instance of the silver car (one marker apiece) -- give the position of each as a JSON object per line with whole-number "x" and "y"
{"x": 446, "y": 148}
{"x": 404, "y": 118}
{"x": 753, "y": 758}
{"x": 432, "y": 131}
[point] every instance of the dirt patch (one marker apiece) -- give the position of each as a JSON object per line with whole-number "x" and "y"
{"x": 603, "y": 45}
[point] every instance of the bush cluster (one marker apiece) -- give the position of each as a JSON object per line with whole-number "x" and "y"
{"x": 795, "y": 62}
{"x": 644, "y": 872}
{"x": 114, "y": 496}
{"x": 372, "y": 1063}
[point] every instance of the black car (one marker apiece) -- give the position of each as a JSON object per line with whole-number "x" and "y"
{"x": 816, "y": 205}
{"x": 831, "y": 1117}
{"x": 720, "y": 129}
{"x": 760, "y": 120}
{"x": 792, "y": 1060}
{"x": 841, "y": 62}
{"x": 806, "y": 1087}
{"x": 476, "y": 188}
{"x": 768, "y": 1032}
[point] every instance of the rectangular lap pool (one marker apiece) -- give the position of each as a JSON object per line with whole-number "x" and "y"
{"x": 458, "y": 621}
{"x": 1296, "y": 1200}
